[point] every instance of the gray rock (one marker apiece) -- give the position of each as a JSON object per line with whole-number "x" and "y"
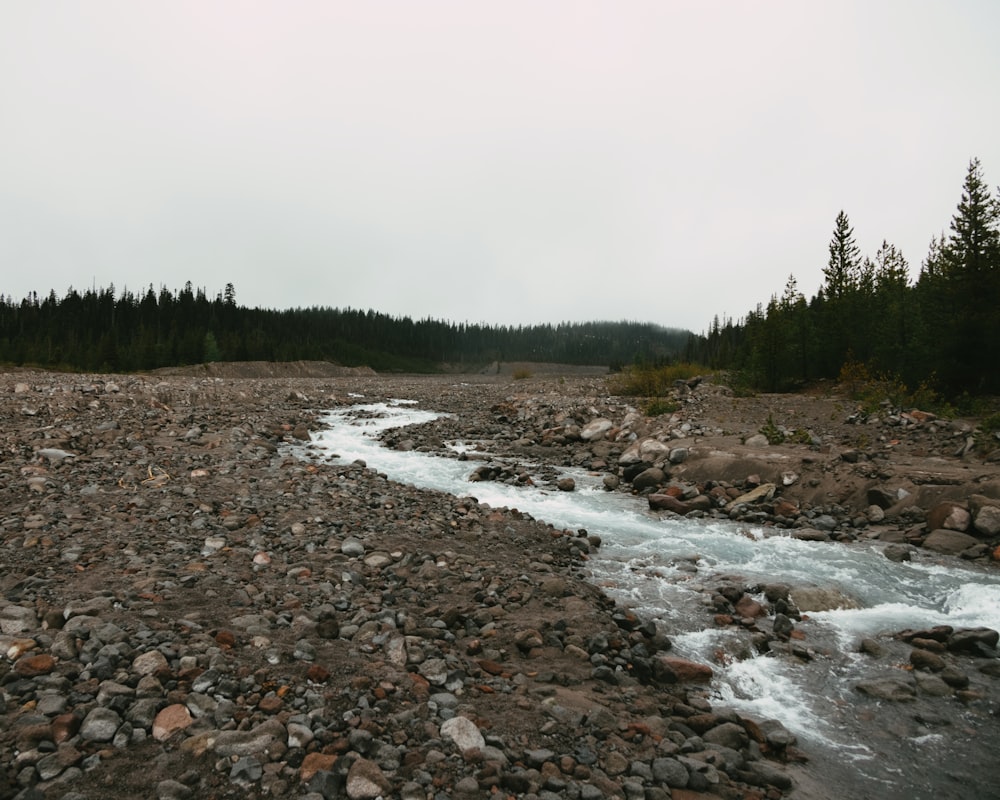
{"x": 670, "y": 772}
{"x": 891, "y": 688}
{"x": 100, "y": 725}
{"x": 463, "y": 732}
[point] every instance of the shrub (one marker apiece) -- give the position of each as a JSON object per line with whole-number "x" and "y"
{"x": 659, "y": 406}
{"x": 521, "y": 374}
{"x": 772, "y": 432}
{"x": 652, "y": 381}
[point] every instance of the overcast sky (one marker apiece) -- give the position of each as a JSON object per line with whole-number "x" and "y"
{"x": 501, "y": 162}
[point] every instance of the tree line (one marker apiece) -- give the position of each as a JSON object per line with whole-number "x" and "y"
{"x": 940, "y": 329}
{"x": 104, "y": 330}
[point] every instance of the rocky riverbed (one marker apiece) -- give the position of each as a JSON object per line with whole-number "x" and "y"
{"x": 191, "y": 608}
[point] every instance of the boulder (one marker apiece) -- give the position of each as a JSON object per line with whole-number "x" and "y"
{"x": 670, "y": 669}
{"x": 949, "y": 542}
{"x": 986, "y": 520}
{"x": 667, "y": 502}
{"x": 816, "y": 598}
{"x": 950, "y": 516}
{"x": 896, "y": 689}
{"x": 763, "y": 492}
{"x": 649, "y": 479}
{"x": 596, "y": 429}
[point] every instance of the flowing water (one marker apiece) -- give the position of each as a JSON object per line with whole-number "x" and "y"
{"x": 661, "y": 567}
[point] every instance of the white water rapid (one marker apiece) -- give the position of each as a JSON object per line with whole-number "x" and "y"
{"x": 660, "y": 567}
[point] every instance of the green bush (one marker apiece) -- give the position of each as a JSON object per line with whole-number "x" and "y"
{"x": 653, "y": 381}
{"x": 659, "y": 406}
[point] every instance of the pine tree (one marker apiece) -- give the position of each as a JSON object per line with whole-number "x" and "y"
{"x": 843, "y": 268}
{"x": 970, "y": 290}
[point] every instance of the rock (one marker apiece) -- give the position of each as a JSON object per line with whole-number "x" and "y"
{"x": 100, "y": 725}
{"x": 17, "y": 619}
{"x": 149, "y": 663}
{"x": 925, "y": 659}
{"x": 648, "y": 479}
{"x": 670, "y": 772}
{"x": 896, "y": 689}
{"x": 949, "y": 542}
{"x": 250, "y": 742}
{"x": 898, "y": 552}
{"x": 366, "y": 781}
{"x": 974, "y": 641}
{"x": 566, "y": 484}
{"x": 667, "y": 502}
{"x": 728, "y": 734}
{"x": 352, "y": 547}
{"x": 948, "y": 515}
{"x": 881, "y": 497}
{"x": 763, "y": 492}
{"x": 34, "y": 665}
{"x": 170, "y": 720}
{"x": 670, "y": 669}
{"x": 757, "y": 441}
{"x": 463, "y": 733}
{"x": 815, "y": 598}
{"x": 678, "y": 455}
{"x": 987, "y": 521}
{"x": 596, "y": 429}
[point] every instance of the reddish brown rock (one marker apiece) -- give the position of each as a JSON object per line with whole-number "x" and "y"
{"x": 661, "y": 501}
{"x": 746, "y": 606}
{"x": 33, "y": 666}
{"x": 682, "y": 670}
{"x": 170, "y": 720}
{"x": 65, "y": 726}
{"x": 316, "y": 762}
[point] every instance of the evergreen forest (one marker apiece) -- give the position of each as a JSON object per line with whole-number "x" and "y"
{"x": 101, "y": 330}
{"x": 940, "y": 328}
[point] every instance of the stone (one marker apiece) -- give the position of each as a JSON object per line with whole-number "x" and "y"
{"x": 596, "y": 429}
{"x": 949, "y": 542}
{"x": 463, "y": 732}
{"x": 17, "y": 619}
{"x": 316, "y": 762}
{"x": 670, "y": 669}
{"x": 566, "y": 484}
{"x": 352, "y": 547}
{"x": 648, "y": 479}
{"x": 366, "y": 781}
{"x": 987, "y": 521}
{"x": 757, "y": 441}
{"x": 881, "y": 497}
{"x": 667, "y": 502}
{"x": 898, "y": 552}
{"x": 33, "y": 666}
{"x": 892, "y": 688}
{"x": 170, "y": 720}
{"x": 150, "y": 662}
{"x": 100, "y": 725}
{"x": 815, "y": 598}
{"x": 948, "y": 515}
{"x": 728, "y": 734}
{"x": 763, "y": 492}
{"x": 925, "y": 659}
{"x": 251, "y": 742}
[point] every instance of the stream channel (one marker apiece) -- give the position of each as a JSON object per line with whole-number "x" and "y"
{"x": 660, "y": 567}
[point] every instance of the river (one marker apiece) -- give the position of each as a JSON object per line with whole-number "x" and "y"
{"x": 660, "y": 568}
